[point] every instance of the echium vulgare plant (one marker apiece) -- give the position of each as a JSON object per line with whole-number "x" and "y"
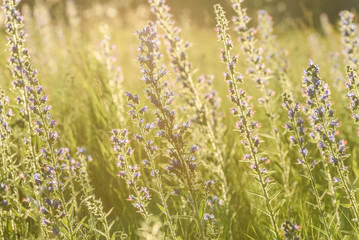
{"x": 144, "y": 138}
{"x": 48, "y": 177}
{"x": 129, "y": 171}
{"x": 260, "y": 74}
{"x": 7, "y": 166}
{"x": 98, "y": 224}
{"x": 350, "y": 41}
{"x": 353, "y": 94}
{"x": 290, "y": 231}
{"x": 181, "y": 65}
{"x": 182, "y": 163}
{"x": 299, "y": 139}
{"x": 213, "y": 100}
{"x": 336, "y": 72}
{"x": 275, "y": 56}
{"x": 11, "y": 217}
{"x": 246, "y": 126}
{"x": 325, "y": 127}
{"x": 17, "y": 61}
{"x": 114, "y": 74}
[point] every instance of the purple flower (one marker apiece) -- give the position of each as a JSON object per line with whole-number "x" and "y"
{"x": 44, "y": 221}
{"x": 4, "y": 203}
{"x": 209, "y": 183}
{"x": 194, "y": 149}
{"x": 55, "y": 231}
{"x": 44, "y": 210}
{"x": 192, "y": 166}
{"x": 303, "y": 151}
{"x": 293, "y": 140}
{"x": 208, "y": 217}
{"x": 300, "y": 161}
{"x": 46, "y": 108}
{"x": 322, "y": 145}
{"x": 336, "y": 180}
{"x": 37, "y": 178}
{"x": 176, "y": 191}
{"x": 333, "y": 160}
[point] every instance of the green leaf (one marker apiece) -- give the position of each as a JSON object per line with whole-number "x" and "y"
{"x": 161, "y": 208}
{"x": 65, "y": 232}
{"x": 256, "y": 194}
{"x": 108, "y": 213}
{"x": 102, "y": 233}
{"x": 278, "y": 206}
{"x": 79, "y": 224}
{"x": 274, "y": 196}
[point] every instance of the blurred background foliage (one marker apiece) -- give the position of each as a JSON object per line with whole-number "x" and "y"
{"x": 300, "y": 12}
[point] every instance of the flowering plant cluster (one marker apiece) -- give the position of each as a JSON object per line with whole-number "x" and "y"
{"x": 325, "y": 128}
{"x": 45, "y": 187}
{"x": 161, "y": 158}
{"x": 261, "y": 74}
{"x": 348, "y": 37}
{"x": 196, "y": 99}
{"x": 296, "y": 127}
{"x": 245, "y": 125}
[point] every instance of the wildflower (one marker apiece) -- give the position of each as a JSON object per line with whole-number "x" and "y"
{"x": 4, "y": 187}
{"x": 32, "y": 100}
{"x": 336, "y": 180}
{"x": 121, "y": 145}
{"x": 194, "y": 148}
{"x": 299, "y": 136}
{"x": 44, "y": 210}
{"x": 246, "y": 126}
{"x": 348, "y": 38}
{"x": 326, "y": 129}
{"x": 45, "y": 221}
{"x": 208, "y": 217}
{"x": 37, "y": 178}
{"x": 177, "y": 50}
{"x": 5, "y": 203}
{"x": 304, "y": 151}
{"x": 290, "y": 230}
{"x": 55, "y": 231}
{"x": 181, "y": 159}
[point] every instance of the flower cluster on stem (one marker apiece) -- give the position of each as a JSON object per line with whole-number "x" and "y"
{"x": 260, "y": 74}
{"x": 325, "y": 127}
{"x": 143, "y": 137}
{"x": 295, "y": 126}
{"x": 275, "y": 56}
{"x": 114, "y": 74}
{"x": 19, "y": 58}
{"x": 139, "y": 196}
{"x": 349, "y": 40}
{"x": 177, "y": 49}
{"x": 47, "y": 168}
{"x": 246, "y": 126}
{"x": 182, "y": 157}
{"x": 10, "y": 211}
{"x": 353, "y": 94}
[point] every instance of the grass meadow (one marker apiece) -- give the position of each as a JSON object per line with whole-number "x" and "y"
{"x": 150, "y": 126}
